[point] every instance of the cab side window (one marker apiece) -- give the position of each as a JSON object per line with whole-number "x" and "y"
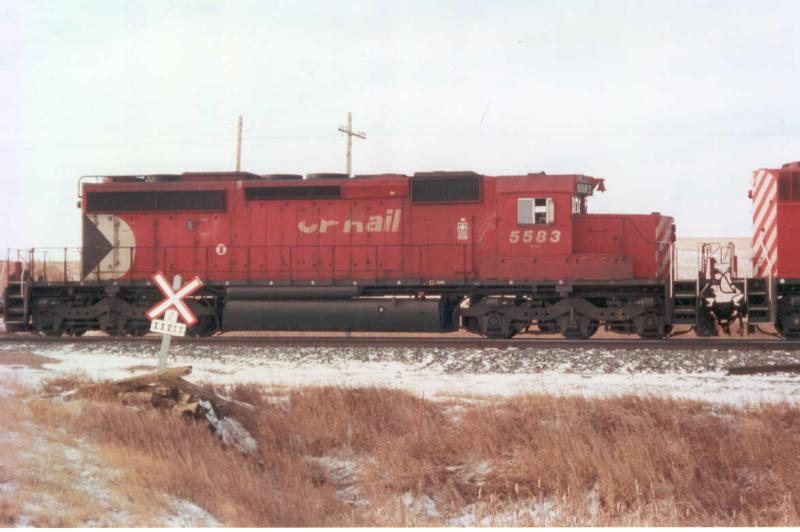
{"x": 576, "y": 205}
{"x": 535, "y": 211}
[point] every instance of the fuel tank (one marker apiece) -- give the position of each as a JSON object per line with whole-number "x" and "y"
{"x": 364, "y": 314}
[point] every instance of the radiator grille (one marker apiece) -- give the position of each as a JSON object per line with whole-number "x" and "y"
{"x": 464, "y": 188}
{"x": 174, "y": 200}
{"x": 290, "y": 192}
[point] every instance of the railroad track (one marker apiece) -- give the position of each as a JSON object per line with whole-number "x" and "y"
{"x": 406, "y": 341}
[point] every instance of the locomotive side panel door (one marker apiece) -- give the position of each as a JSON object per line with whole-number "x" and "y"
{"x": 330, "y": 216}
{"x": 259, "y": 230}
{"x": 218, "y": 255}
{"x": 484, "y": 232}
{"x": 441, "y": 249}
{"x": 364, "y": 230}
{"x": 220, "y": 230}
{"x": 238, "y": 232}
{"x": 304, "y": 252}
{"x": 277, "y": 256}
{"x": 463, "y": 235}
{"x": 598, "y": 233}
{"x": 165, "y": 242}
{"x": 342, "y": 252}
{"x": 184, "y": 229}
{"x": 389, "y": 240}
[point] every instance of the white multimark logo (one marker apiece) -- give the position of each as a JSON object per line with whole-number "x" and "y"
{"x": 388, "y": 223}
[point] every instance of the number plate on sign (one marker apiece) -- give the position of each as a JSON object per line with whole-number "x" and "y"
{"x": 169, "y": 325}
{"x": 172, "y": 329}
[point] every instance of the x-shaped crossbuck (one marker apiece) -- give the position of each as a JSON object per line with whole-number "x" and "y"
{"x": 174, "y": 299}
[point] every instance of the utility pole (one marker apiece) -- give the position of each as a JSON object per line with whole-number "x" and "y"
{"x": 239, "y": 146}
{"x": 350, "y": 134}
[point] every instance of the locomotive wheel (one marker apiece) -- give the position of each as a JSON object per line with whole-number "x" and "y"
{"x": 496, "y": 326}
{"x": 136, "y": 328}
{"x": 578, "y": 328}
{"x": 45, "y": 325}
{"x": 650, "y": 326}
{"x": 793, "y": 330}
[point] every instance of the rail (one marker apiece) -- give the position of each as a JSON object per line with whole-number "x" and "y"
{"x": 780, "y": 347}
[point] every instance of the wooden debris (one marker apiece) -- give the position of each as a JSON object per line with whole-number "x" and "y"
{"x": 163, "y": 389}
{"x": 166, "y": 390}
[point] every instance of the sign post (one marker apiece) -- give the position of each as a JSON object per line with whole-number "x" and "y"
{"x": 171, "y": 307}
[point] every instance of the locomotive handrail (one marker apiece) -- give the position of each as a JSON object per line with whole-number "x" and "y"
{"x": 255, "y": 263}
{"x": 260, "y": 262}
{"x": 51, "y": 264}
{"x": 80, "y": 181}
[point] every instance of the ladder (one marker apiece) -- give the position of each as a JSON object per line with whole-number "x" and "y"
{"x": 15, "y": 307}
{"x": 758, "y": 300}
{"x": 685, "y": 302}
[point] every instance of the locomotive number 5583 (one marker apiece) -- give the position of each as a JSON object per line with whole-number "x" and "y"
{"x": 529, "y": 235}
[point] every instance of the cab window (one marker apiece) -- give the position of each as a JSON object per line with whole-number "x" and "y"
{"x": 576, "y": 205}
{"x": 535, "y": 211}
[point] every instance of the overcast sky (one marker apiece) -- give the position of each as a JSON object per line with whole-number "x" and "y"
{"x": 674, "y": 103}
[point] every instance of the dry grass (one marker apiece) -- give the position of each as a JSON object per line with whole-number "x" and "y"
{"x": 527, "y": 460}
{"x": 10, "y": 420}
{"x": 50, "y": 477}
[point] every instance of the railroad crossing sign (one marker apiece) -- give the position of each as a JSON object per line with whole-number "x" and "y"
{"x": 172, "y": 306}
{"x": 174, "y": 298}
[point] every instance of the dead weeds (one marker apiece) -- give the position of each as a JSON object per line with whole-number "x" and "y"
{"x": 367, "y": 456}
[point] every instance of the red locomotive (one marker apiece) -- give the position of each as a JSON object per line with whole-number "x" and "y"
{"x": 776, "y": 254}
{"x": 430, "y": 252}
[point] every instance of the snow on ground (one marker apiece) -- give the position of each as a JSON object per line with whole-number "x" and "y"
{"x": 438, "y": 372}
{"x": 70, "y": 468}
{"x": 528, "y": 513}
{"x": 343, "y": 470}
{"x": 53, "y": 478}
{"x": 21, "y": 375}
{"x": 187, "y": 514}
{"x": 46, "y": 457}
